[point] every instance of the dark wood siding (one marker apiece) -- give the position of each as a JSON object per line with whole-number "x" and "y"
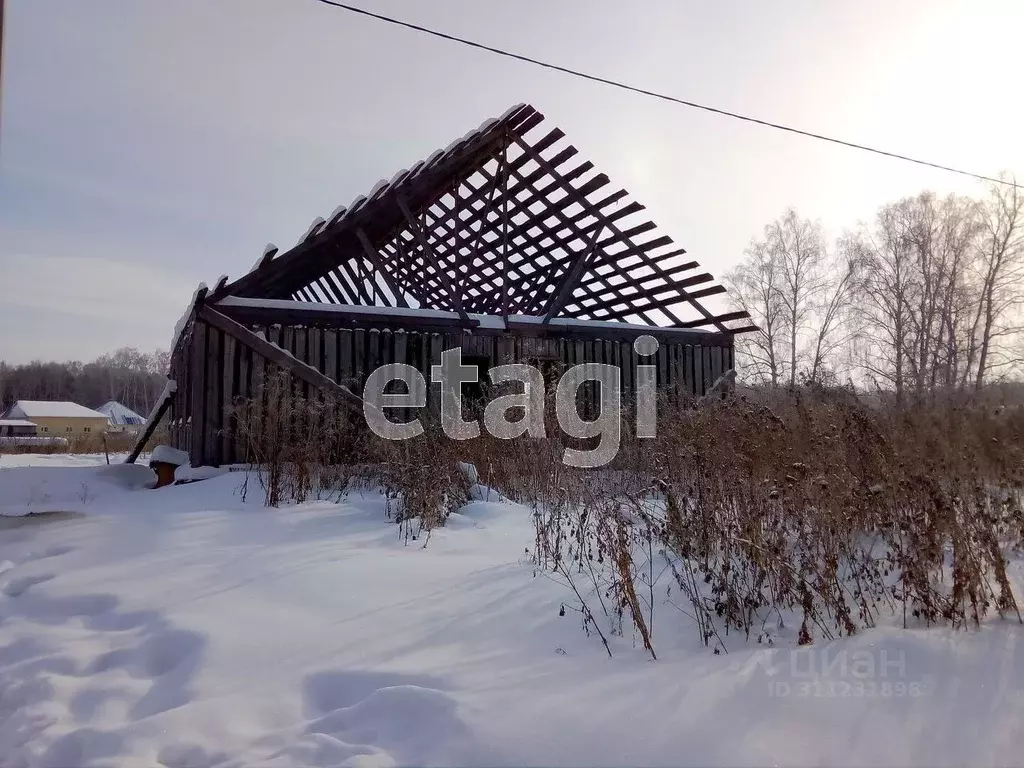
{"x": 214, "y": 371}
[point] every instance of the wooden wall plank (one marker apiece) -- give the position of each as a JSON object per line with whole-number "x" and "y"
{"x": 595, "y": 351}
{"x": 258, "y": 380}
{"x": 419, "y": 345}
{"x": 359, "y": 371}
{"x": 330, "y": 359}
{"x": 698, "y": 370}
{"x": 185, "y": 388}
{"x": 244, "y": 355}
{"x": 434, "y": 392}
{"x": 716, "y": 364}
{"x": 626, "y": 368}
{"x": 662, "y": 363}
{"x": 400, "y": 340}
{"x": 387, "y": 347}
{"x": 315, "y": 348}
{"x": 691, "y": 368}
{"x": 675, "y": 373}
{"x": 373, "y": 351}
{"x": 505, "y": 350}
{"x": 346, "y": 363}
{"x": 708, "y": 381}
{"x": 214, "y": 388}
{"x": 400, "y": 354}
{"x": 300, "y": 350}
{"x": 685, "y": 379}
{"x": 198, "y": 391}
{"x": 579, "y": 356}
{"x": 229, "y": 390}
{"x": 175, "y": 374}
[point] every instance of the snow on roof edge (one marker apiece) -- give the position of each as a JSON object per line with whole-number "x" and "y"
{"x": 486, "y": 321}
{"x": 118, "y": 413}
{"x": 179, "y": 326}
{"x": 51, "y": 409}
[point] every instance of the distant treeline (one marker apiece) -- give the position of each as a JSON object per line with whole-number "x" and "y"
{"x": 927, "y": 298}
{"x": 131, "y": 377}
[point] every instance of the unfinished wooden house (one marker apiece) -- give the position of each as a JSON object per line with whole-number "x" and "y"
{"x": 504, "y": 244}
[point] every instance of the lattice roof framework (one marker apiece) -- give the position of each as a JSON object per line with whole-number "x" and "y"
{"x": 504, "y": 221}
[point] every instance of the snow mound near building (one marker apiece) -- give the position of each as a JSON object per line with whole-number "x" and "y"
{"x": 40, "y": 490}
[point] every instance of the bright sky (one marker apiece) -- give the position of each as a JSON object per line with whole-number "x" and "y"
{"x": 147, "y": 146}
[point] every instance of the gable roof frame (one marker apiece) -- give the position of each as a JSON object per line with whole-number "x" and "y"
{"x": 499, "y": 222}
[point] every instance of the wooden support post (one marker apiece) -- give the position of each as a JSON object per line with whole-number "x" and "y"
{"x": 150, "y": 429}
{"x": 446, "y": 279}
{"x": 278, "y": 356}
{"x": 504, "y": 231}
{"x": 738, "y": 315}
{"x": 572, "y": 277}
{"x": 197, "y": 411}
{"x": 374, "y": 256}
{"x": 484, "y": 213}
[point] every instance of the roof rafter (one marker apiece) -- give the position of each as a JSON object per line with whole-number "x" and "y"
{"x": 500, "y": 222}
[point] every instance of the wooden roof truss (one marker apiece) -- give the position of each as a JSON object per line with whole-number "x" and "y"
{"x": 505, "y": 221}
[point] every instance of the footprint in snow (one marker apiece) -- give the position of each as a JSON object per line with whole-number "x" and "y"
{"x": 191, "y": 756}
{"x": 158, "y": 655}
{"x": 17, "y": 587}
{"x": 378, "y": 719}
{"x": 161, "y": 660}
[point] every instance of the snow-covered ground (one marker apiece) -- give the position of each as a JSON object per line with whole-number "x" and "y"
{"x": 185, "y": 627}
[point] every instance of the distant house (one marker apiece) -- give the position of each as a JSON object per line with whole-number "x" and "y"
{"x": 57, "y": 418}
{"x": 121, "y": 417}
{"x": 17, "y": 428}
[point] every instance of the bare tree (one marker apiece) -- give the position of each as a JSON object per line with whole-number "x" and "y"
{"x": 942, "y": 235}
{"x": 755, "y": 287}
{"x": 1000, "y": 274}
{"x": 798, "y": 248}
{"x": 884, "y": 295}
{"x": 929, "y": 298}
{"x": 832, "y": 307}
{"x": 797, "y": 293}
{"x": 916, "y": 295}
{"x": 126, "y": 375}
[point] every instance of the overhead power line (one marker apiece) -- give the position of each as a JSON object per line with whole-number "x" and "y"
{"x": 661, "y": 96}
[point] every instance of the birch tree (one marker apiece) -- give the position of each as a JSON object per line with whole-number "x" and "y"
{"x": 755, "y": 287}
{"x": 999, "y": 271}
{"x": 796, "y": 292}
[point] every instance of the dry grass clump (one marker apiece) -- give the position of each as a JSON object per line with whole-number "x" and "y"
{"x": 807, "y": 508}
{"x": 420, "y": 477}
{"x": 304, "y": 446}
{"x": 95, "y": 442}
{"x": 48, "y": 448}
{"x": 313, "y": 447}
{"x": 809, "y": 511}
{"x": 114, "y": 442}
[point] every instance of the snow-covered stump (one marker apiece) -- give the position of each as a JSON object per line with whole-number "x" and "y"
{"x": 165, "y": 462}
